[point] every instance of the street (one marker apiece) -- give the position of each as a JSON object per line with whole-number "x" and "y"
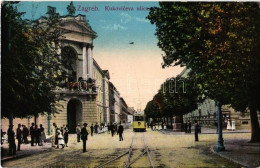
{"x": 178, "y": 150}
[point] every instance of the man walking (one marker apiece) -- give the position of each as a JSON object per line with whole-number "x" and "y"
{"x": 189, "y": 129}
{"x": 120, "y": 132}
{"x": 196, "y": 130}
{"x": 84, "y": 136}
{"x": 19, "y": 136}
{"x": 11, "y": 140}
{"x": 92, "y": 129}
{"x": 78, "y": 129}
{"x": 32, "y": 132}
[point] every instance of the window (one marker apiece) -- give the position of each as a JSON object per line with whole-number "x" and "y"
{"x": 139, "y": 118}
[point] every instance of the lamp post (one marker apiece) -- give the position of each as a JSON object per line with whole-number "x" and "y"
{"x": 49, "y": 124}
{"x": 220, "y": 137}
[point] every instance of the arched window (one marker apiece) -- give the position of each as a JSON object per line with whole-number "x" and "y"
{"x": 69, "y": 57}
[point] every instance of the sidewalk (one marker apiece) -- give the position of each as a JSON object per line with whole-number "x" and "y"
{"x": 241, "y": 152}
{"x": 238, "y": 151}
{"x": 26, "y": 150}
{"x": 203, "y": 131}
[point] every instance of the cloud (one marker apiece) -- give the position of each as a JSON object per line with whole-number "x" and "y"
{"x": 112, "y": 27}
{"x": 125, "y": 18}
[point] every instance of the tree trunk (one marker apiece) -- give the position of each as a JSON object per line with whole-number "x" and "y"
{"x": 255, "y": 130}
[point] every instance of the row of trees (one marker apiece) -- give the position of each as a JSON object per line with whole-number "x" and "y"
{"x": 176, "y": 97}
{"x": 219, "y": 42}
{"x": 32, "y": 67}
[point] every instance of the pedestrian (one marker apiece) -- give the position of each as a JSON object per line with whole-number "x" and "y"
{"x": 37, "y": 135}
{"x": 151, "y": 126}
{"x": 92, "y": 129}
{"x": 56, "y": 135}
{"x": 42, "y": 135}
{"x": 108, "y": 128}
{"x": 162, "y": 126}
{"x": 78, "y": 129}
{"x": 185, "y": 127}
{"x": 32, "y": 133}
{"x": 112, "y": 128}
{"x": 2, "y": 136}
{"x": 19, "y": 136}
{"x": 196, "y": 130}
{"x": 62, "y": 130}
{"x": 66, "y": 135}
{"x": 216, "y": 125}
{"x": 96, "y": 128}
{"x": 189, "y": 127}
{"x": 53, "y": 134}
{"x": 120, "y": 132}
{"x": 60, "y": 139}
{"x": 25, "y": 134}
{"x": 84, "y": 136}
{"x": 115, "y": 127}
{"x": 11, "y": 141}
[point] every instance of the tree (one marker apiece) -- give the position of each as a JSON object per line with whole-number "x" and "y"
{"x": 151, "y": 110}
{"x": 219, "y": 42}
{"x": 31, "y": 64}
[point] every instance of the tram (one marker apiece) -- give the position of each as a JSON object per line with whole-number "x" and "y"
{"x": 139, "y": 122}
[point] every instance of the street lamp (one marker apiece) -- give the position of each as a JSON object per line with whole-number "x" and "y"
{"x": 220, "y": 137}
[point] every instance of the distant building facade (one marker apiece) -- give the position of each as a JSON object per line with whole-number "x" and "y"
{"x": 206, "y": 113}
{"x": 114, "y": 103}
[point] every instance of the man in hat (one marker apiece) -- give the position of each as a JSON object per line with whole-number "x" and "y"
{"x": 11, "y": 140}
{"x": 78, "y": 129}
{"x": 120, "y": 132}
{"x": 92, "y": 129}
{"x": 84, "y": 136}
{"x": 196, "y": 131}
{"x": 19, "y": 136}
{"x": 32, "y": 133}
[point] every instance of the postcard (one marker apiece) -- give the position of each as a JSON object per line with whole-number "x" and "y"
{"x": 130, "y": 84}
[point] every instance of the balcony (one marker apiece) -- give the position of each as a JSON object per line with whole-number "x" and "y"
{"x": 78, "y": 89}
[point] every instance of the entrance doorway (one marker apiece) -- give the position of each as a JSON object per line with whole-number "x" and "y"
{"x": 74, "y": 114}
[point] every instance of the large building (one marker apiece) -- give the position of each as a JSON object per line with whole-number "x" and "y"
{"x": 78, "y": 105}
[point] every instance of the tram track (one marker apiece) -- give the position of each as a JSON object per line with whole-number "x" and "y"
{"x": 130, "y": 152}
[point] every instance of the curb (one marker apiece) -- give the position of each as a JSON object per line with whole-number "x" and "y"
{"x": 228, "y": 158}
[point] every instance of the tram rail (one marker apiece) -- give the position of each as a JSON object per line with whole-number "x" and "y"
{"x": 129, "y": 162}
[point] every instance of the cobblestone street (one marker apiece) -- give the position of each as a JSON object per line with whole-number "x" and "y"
{"x": 166, "y": 151}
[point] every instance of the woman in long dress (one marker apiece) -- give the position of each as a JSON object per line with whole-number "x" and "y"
{"x": 229, "y": 125}
{"x": 60, "y": 139}
{"x": 42, "y": 136}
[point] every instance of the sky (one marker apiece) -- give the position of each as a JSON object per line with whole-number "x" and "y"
{"x": 135, "y": 69}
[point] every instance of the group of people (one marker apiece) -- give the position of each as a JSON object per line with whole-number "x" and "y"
{"x": 37, "y": 135}
{"x": 22, "y": 133}
{"x": 187, "y": 127}
{"x": 113, "y": 128}
{"x": 82, "y": 133}
{"x": 60, "y": 136}
{"x": 197, "y": 129}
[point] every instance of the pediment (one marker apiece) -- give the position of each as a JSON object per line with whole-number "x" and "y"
{"x": 78, "y": 27}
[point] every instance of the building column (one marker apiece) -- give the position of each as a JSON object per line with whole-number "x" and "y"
{"x": 90, "y": 60}
{"x": 84, "y": 62}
